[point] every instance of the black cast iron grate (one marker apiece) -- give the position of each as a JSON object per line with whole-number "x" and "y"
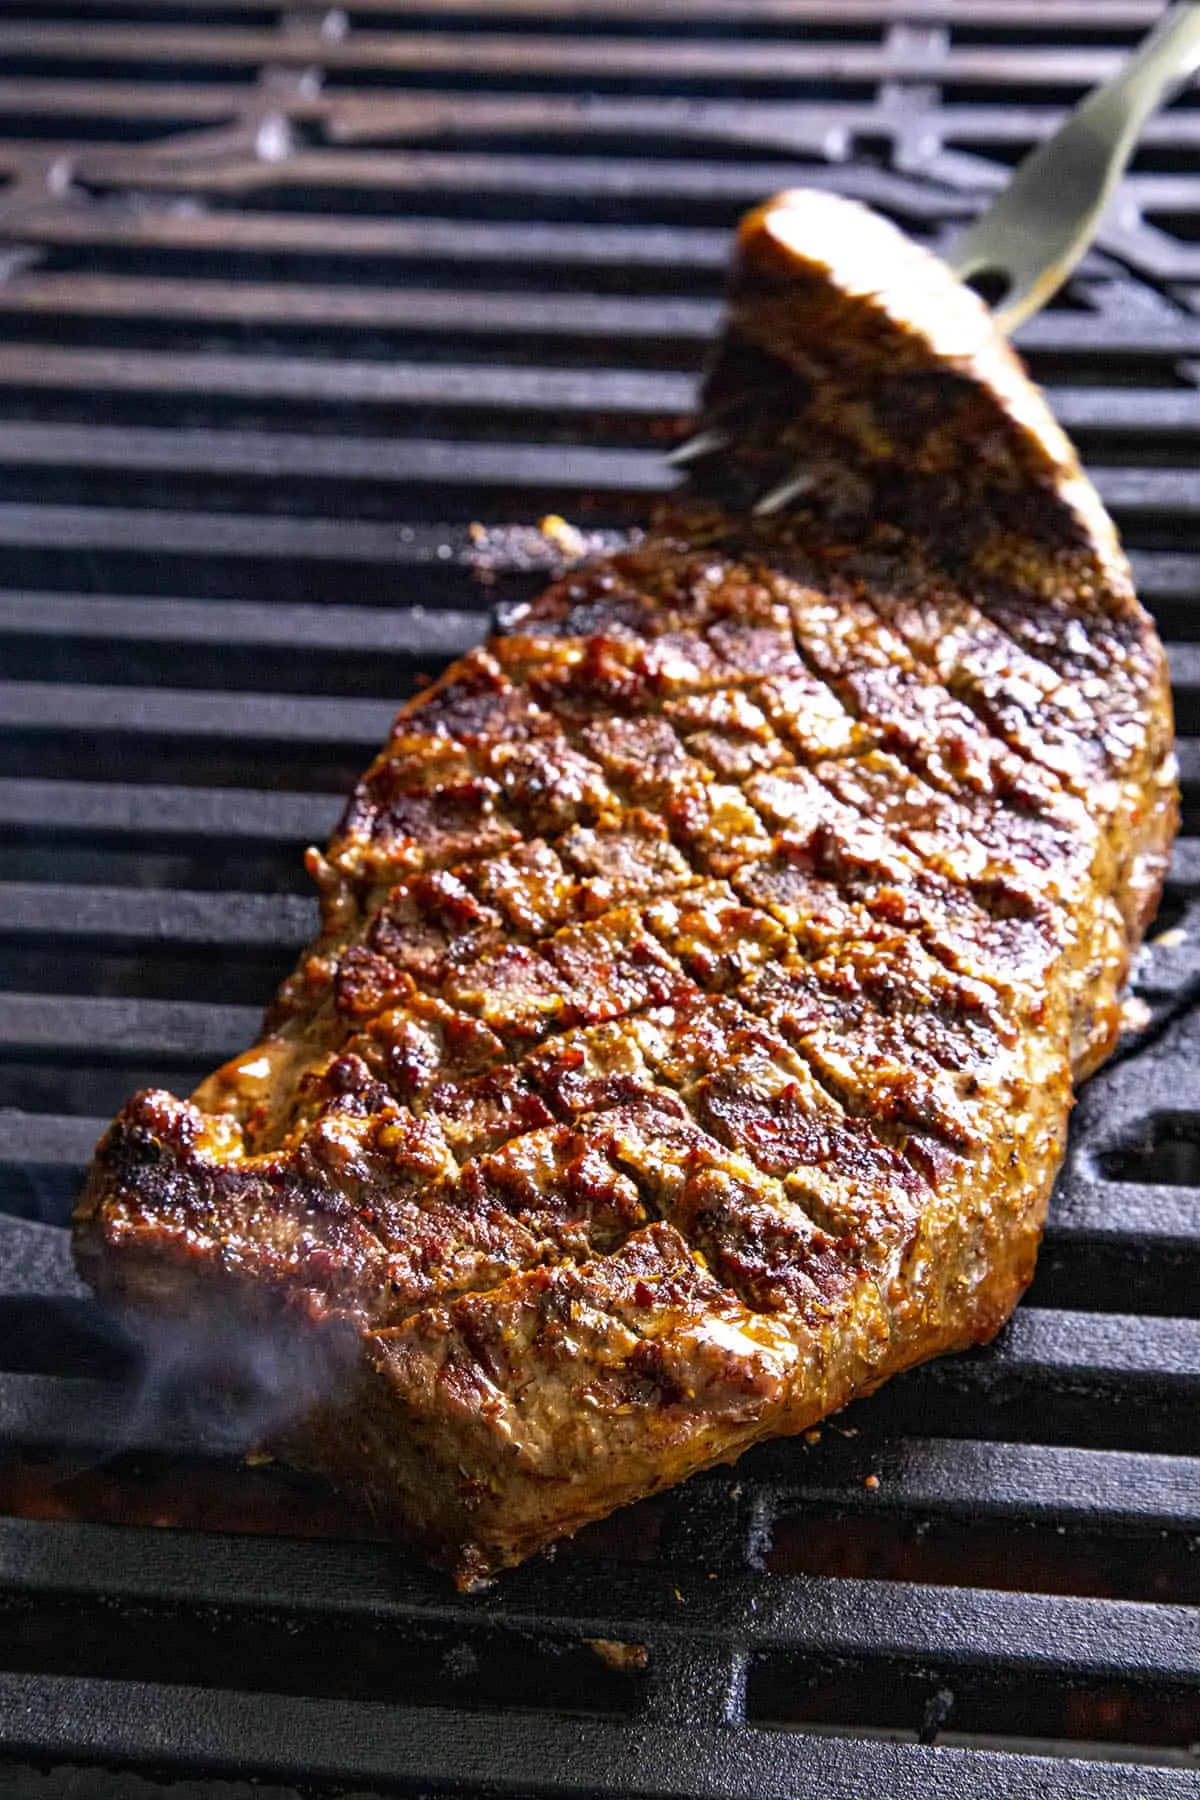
{"x": 291, "y": 295}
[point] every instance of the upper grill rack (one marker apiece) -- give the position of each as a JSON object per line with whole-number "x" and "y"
{"x": 291, "y": 296}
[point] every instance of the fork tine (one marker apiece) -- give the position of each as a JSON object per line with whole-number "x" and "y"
{"x": 777, "y": 497}
{"x": 693, "y": 448}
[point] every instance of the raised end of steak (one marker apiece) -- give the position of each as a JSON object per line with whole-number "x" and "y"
{"x": 705, "y": 962}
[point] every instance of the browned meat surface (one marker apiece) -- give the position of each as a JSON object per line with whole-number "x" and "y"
{"x": 706, "y": 962}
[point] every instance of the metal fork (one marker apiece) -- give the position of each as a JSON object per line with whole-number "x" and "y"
{"x": 1027, "y": 242}
{"x": 1025, "y": 245}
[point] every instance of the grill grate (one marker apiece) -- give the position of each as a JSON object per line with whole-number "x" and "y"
{"x": 289, "y": 296}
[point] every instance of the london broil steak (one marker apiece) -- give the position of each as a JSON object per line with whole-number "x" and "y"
{"x": 705, "y": 962}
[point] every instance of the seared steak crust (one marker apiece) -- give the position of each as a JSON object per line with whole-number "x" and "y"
{"x": 706, "y": 961}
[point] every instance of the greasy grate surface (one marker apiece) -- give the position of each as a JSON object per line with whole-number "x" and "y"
{"x": 290, "y": 297}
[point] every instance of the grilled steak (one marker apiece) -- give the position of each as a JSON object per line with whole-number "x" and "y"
{"x": 705, "y": 962}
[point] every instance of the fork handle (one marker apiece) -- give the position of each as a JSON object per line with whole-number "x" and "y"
{"x": 1160, "y": 67}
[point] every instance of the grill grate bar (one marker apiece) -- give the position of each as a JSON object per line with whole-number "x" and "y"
{"x": 1047, "y": 1342}
{"x": 631, "y": 249}
{"x": 1100, "y": 15}
{"x": 1084, "y": 1637}
{"x": 442, "y": 549}
{"x": 433, "y": 309}
{"x": 47, "y": 909}
{"x": 682, "y": 60}
{"x": 36, "y": 1265}
{"x": 167, "y": 915}
{"x": 499, "y": 387}
{"x": 1062, "y": 1485}
{"x": 411, "y": 113}
{"x": 69, "y": 1416}
{"x": 509, "y": 467}
{"x": 408, "y": 116}
{"x": 417, "y": 633}
{"x": 163, "y": 531}
{"x": 304, "y": 719}
{"x": 48, "y": 1140}
{"x": 610, "y": 325}
{"x": 178, "y": 1029}
{"x": 346, "y": 1741}
{"x": 1137, "y": 1210}
{"x": 292, "y": 718}
{"x": 1068, "y": 1485}
{"x": 293, "y": 455}
{"x": 495, "y": 388}
{"x": 1040, "y": 1354}
{"x": 1137, "y": 1216}
{"x": 155, "y": 811}
{"x": 167, "y": 812}
{"x": 682, "y": 182}
{"x": 513, "y": 249}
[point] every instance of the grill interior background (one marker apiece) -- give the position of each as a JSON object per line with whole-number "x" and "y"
{"x": 290, "y": 297}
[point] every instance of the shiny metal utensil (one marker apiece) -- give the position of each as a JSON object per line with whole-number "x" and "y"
{"x": 1025, "y": 245}
{"x": 1030, "y": 239}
